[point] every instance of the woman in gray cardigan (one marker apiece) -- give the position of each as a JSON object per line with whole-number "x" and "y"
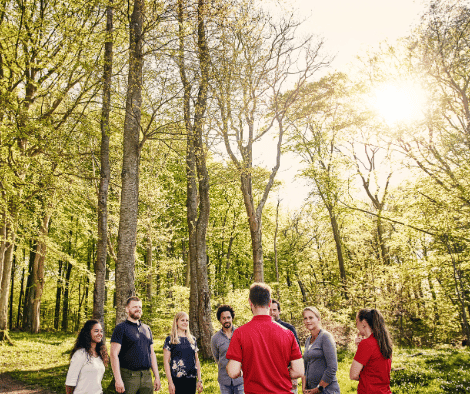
{"x": 319, "y": 356}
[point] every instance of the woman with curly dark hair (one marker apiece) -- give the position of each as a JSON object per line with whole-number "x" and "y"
{"x": 373, "y": 360}
{"x": 88, "y": 361}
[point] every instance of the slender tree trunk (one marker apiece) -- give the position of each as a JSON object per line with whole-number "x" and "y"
{"x": 20, "y": 300}
{"x": 125, "y": 281}
{"x": 12, "y": 290}
{"x": 255, "y": 228}
{"x": 149, "y": 263}
{"x": 28, "y": 300}
{"x": 38, "y": 278}
{"x": 58, "y": 296}
{"x": 275, "y": 246}
{"x": 91, "y": 257}
{"x": 6, "y": 277}
{"x": 65, "y": 304}
{"x": 3, "y": 242}
{"x": 105, "y": 171}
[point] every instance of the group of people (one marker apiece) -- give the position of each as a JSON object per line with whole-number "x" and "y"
{"x": 261, "y": 356}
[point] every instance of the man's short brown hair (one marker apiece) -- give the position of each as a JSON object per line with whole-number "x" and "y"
{"x": 133, "y": 298}
{"x": 260, "y": 294}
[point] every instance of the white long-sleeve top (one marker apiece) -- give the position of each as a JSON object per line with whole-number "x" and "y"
{"x": 85, "y": 373}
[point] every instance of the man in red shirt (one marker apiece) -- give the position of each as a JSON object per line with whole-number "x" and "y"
{"x": 263, "y": 349}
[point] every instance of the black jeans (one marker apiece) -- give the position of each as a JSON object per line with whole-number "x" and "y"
{"x": 185, "y": 385}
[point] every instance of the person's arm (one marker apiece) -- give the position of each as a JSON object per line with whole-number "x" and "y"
{"x": 166, "y": 366}
{"x": 296, "y": 369}
{"x": 199, "y": 384}
{"x": 116, "y": 367}
{"x": 355, "y": 370}
{"x": 215, "y": 349}
{"x": 234, "y": 368}
{"x": 153, "y": 358}
{"x": 331, "y": 359}
{"x": 76, "y": 363}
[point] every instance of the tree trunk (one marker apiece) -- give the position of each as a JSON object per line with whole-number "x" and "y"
{"x": 275, "y": 247}
{"x": 125, "y": 286}
{"x": 28, "y": 300}
{"x": 198, "y": 205}
{"x": 65, "y": 305}
{"x": 101, "y": 253}
{"x": 58, "y": 296}
{"x": 205, "y": 320}
{"x": 12, "y": 290}
{"x": 6, "y": 276}
{"x": 255, "y": 228}
{"x": 38, "y": 277}
{"x": 20, "y": 299}
{"x": 149, "y": 263}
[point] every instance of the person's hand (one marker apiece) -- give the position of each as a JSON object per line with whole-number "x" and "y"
{"x": 307, "y": 391}
{"x": 357, "y": 340}
{"x": 119, "y": 385}
{"x": 199, "y": 386}
{"x": 171, "y": 387}
{"x": 157, "y": 384}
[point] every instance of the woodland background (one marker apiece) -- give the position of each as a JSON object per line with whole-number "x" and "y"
{"x": 130, "y": 143}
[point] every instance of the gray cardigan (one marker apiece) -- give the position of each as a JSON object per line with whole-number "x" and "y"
{"x": 321, "y": 363}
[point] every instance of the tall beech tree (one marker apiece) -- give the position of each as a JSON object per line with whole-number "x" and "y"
{"x": 125, "y": 286}
{"x": 105, "y": 174}
{"x": 257, "y": 60}
{"x": 197, "y": 203}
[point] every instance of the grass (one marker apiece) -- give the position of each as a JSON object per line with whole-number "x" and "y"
{"x": 43, "y": 360}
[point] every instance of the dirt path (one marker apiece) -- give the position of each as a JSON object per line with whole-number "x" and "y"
{"x": 8, "y": 385}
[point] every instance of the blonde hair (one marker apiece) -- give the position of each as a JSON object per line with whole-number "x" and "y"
{"x": 174, "y": 338}
{"x": 314, "y": 310}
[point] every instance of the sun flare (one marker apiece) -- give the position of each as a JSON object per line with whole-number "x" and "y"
{"x": 399, "y": 103}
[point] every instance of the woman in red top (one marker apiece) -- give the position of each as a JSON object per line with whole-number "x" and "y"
{"x": 373, "y": 360}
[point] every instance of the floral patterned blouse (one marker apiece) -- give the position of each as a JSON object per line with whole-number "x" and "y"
{"x": 183, "y": 357}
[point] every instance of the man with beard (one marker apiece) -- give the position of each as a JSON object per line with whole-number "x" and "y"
{"x": 219, "y": 343}
{"x": 275, "y": 311}
{"x": 132, "y": 354}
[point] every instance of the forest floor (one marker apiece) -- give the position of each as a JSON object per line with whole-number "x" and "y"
{"x": 8, "y": 385}
{"x": 38, "y": 364}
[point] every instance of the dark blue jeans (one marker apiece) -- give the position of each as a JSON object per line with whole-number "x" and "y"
{"x": 231, "y": 389}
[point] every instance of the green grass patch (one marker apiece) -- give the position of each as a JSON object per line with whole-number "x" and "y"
{"x": 43, "y": 359}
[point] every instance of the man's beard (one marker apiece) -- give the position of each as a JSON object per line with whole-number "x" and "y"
{"x": 227, "y": 325}
{"x": 135, "y": 316}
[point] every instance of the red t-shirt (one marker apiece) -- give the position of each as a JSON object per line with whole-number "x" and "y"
{"x": 265, "y": 349}
{"x": 375, "y": 376}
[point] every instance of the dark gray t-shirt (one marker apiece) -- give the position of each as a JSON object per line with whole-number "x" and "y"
{"x": 219, "y": 345}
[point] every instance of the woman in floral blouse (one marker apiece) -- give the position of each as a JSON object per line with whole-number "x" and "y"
{"x": 180, "y": 358}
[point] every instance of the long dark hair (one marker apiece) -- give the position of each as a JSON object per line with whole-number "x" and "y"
{"x": 376, "y": 322}
{"x": 84, "y": 342}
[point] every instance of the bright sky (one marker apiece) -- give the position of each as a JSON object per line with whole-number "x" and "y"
{"x": 349, "y": 27}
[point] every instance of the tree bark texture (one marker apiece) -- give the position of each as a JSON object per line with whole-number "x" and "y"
{"x": 105, "y": 174}
{"x": 6, "y": 277}
{"x": 125, "y": 280}
{"x": 36, "y": 278}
